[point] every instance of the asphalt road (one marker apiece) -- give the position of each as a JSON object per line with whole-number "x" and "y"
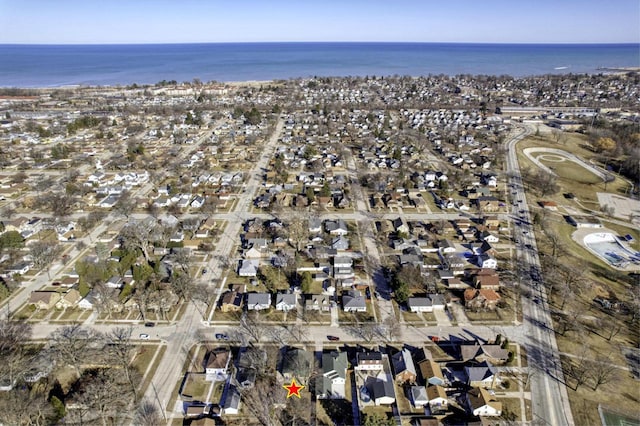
{"x": 550, "y": 402}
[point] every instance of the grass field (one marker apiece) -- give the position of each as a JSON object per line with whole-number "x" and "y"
{"x": 571, "y": 176}
{"x": 598, "y": 279}
{"x": 571, "y": 171}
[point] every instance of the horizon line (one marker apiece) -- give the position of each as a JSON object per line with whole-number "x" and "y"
{"x": 311, "y": 42}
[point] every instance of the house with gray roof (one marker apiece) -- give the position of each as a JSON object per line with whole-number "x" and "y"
{"x": 231, "y": 404}
{"x": 317, "y": 302}
{"x": 482, "y": 376}
{"x": 248, "y": 268}
{"x": 340, "y": 243}
{"x": 286, "y": 302}
{"x": 336, "y": 227}
{"x": 331, "y": 385}
{"x": 258, "y": 301}
{"x": 426, "y": 303}
{"x": 353, "y": 301}
{"x": 403, "y": 367}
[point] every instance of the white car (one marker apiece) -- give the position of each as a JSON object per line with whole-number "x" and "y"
{"x": 144, "y": 336}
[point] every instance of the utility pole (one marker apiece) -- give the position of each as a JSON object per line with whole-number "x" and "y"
{"x": 164, "y": 414}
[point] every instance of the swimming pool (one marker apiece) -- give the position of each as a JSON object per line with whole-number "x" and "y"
{"x": 609, "y": 248}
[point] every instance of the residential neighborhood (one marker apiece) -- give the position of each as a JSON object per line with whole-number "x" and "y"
{"x": 392, "y": 245}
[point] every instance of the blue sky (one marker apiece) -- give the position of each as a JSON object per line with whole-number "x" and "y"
{"x": 182, "y": 21}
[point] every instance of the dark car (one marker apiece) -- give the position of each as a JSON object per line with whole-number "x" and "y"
{"x": 149, "y": 324}
{"x": 222, "y": 336}
{"x": 333, "y": 338}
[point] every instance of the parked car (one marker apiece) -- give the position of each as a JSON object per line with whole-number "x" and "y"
{"x": 144, "y": 336}
{"x": 222, "y": 336}
{"x": 149, "y": 324}
{"x": 333, "y": 338}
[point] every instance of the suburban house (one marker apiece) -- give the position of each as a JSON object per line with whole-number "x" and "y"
{"x": 491, "y": 282}
{"x": 249, "y": 360}
{"x": 340, "y": 243}
{"x": 487, "y": 261}
{"x": 336, "y": 227}
{"x": 438, "y": 401}
{"x": 19, "y": 268}
{"x": 481, "y": 299}
{"x": 400, "y": 225}
{"x": 317, "y": 302}
{"x": 258, "y": 301}
{"x": 216, "y": 364}
{"x": 431, "y": 372}
{"x": 482, "y": 403}
{"x": 427, "y": 303}
{"x": 248, "y": 268}
{"x": 369, "y": 361}
{"x": 493, "y": 354}
{"x": 488, "y": 237}
{"x": 285, "y": 302}
{"x": 482, "y": 376}
{"x": 296, "y": 362}
{"x": 231, "y": 404}
{"x": 403, "y": 367}
{"x": 231, "y": 301}
{"x": 246, "y": 377}
{"x": 331, "y": 385}
{"x": 381, "y": 392}
{"x": 69, "y": 299}
{"x": 89, "y": 301}
{"x": 353, "y": 301}
{"x": 44, "y": 300}
{"x": 419, "y": 396}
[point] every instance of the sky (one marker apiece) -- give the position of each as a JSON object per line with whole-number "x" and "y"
{"x": 222, "y": 21}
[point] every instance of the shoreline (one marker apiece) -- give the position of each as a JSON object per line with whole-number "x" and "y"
{"x": 256, "y": 83}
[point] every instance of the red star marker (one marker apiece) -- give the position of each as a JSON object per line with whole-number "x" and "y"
{"x": 293, "y": 389}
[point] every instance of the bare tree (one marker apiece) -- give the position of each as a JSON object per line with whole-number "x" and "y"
{"x": 44, "y": 253}
{"x": 181, "y": 284}
{"x": 611, "y": 326}
{"x": 12, "y": 351}
{"x": 121, "y": 350}
{"x": 73, "y": 344}
{"x": 578, "y": 369}
{"x": 602, "y": 371}
{"x": 60, "y": 204}
{"x": 298, "y": 332}
{"x": 278, "y": 334}
{"x": 204, "y": 293}
{"x": 262, "y": 399}
{"x": 147, "y": 414}
{"x": 125, "y": 204}
{"x": 546, "y": 183}
{"x": 103, "y": 392}
{"x": 391, "y": 328}
{"x": 364, "y": 330}
{"x": 22, "y": 406}
{"x": 568, "y": 321}
{"x": 137, "y": 235}
{"x": 183, "y": 258}
{"x": 251, "y": 326}
{"x": 298, "y": 231}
